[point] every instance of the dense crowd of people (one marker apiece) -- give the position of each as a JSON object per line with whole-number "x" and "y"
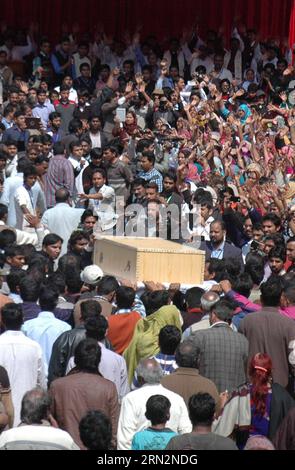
{"x": 187, "y": 140}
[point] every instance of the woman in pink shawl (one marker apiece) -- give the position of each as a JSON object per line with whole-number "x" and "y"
{"x": 191, "y": 169}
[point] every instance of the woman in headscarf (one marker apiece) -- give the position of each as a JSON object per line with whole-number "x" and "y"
{"x": 254, "y": 173}
{"x": 244, "y": 113}
{"x": 129, "y": 128}
{"x": 183, "y": 130}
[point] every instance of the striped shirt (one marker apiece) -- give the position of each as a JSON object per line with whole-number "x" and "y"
{"x": 167, "y": 362}
{"x": 152, "y": 176}
{"x": 60, "y": 174}
{"x": 137, "y": 307}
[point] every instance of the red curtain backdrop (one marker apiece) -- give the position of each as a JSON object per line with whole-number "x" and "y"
{"x": 160, "y": 17}
{"x": 292, "y": 29}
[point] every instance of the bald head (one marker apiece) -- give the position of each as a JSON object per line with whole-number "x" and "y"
{"x": 217, "y": 232}
{"x": 149, "y": 371}
{"x": 62, "y": 195}
{"x": 35, "y": 406}
{"x": 186, "y": 355}
{"x": 208, "y": 300}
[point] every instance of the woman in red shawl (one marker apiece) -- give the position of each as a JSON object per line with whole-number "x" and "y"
{"x": 129, "y": 128}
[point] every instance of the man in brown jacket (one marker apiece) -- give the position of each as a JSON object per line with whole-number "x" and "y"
{"x": 270, "y": 332}
{"x": 186, "y": 380}
{"x": 82, "y": 390}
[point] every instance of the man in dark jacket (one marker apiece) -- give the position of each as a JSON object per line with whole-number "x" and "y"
{"x": 285, "y": 438}
{"x": 218, "y": 247}
{"x": 64, "y": 347}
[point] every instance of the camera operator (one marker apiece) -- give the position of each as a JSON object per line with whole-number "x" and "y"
{"x": 165, "y": 111}
{"x": 255, "y": 245}
{"x": 239, "y": 217}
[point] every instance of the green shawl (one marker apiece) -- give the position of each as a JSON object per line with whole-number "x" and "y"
{"x": 145, "y": 341}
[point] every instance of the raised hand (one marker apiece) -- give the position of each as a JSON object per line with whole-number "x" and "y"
{"x": 127, "y": 283}
{"x": 153, "y": 286}
{"x": 129, "y": 87}
{"x": 24, "y": 87}
{"x": 138, "y": 78}
{"x": 141, "y": 87}
{"x": 174, "y": 287}
{"x": 239, "y": 92}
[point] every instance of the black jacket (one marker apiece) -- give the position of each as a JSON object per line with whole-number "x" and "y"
{"x": 63, "y": 349}
{"x": 230, "y": 251}
{"x": 281, "y": 403}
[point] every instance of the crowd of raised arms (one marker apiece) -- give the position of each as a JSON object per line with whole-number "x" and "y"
{"x": 191, "y": 139}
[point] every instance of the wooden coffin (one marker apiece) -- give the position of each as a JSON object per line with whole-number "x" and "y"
{"x": 149, "y": 259}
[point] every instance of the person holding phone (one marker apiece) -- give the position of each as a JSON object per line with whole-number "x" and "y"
{"x": 121, "y": 114}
